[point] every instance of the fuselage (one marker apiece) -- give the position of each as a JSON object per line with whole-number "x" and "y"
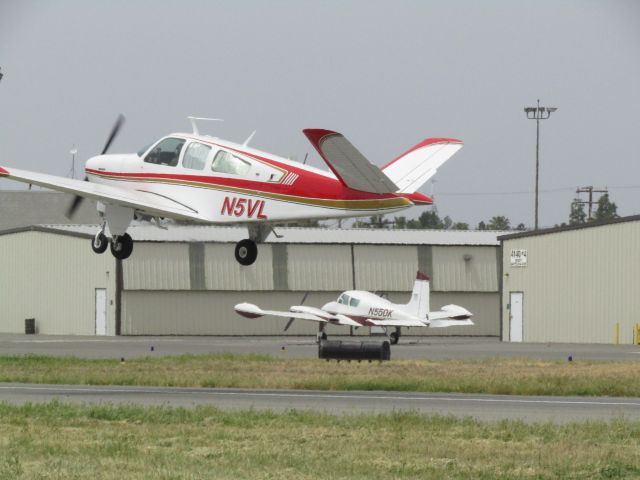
{"x": 225, "y": 182}
{"x": 361, "y": 305}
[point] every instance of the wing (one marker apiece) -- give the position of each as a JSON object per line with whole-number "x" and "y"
{"x": 397, "y": 323}
{"x": 146, "y": 202}
{"x": 249, "y": 310}
{"x": 347, "y": 163}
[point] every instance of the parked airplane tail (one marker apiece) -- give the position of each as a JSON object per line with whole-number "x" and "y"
{"x": 418, "y": 164}
{"x": 419, "y": 303}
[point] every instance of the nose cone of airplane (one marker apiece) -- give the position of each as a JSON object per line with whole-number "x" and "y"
{"x": 93, "y": 163}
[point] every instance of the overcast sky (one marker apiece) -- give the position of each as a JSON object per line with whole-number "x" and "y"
{"x": 385, "y": 74}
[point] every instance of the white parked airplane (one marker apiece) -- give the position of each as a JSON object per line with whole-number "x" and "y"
{"x": 357, "y": 308}
{"x": 198, "y": 178}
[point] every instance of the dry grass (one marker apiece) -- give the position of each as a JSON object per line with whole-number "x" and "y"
{"x": 496, "y": 376}
{"x": 58, "y": 441}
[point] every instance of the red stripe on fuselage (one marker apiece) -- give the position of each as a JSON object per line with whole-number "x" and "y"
{"x": 306, "y": 186}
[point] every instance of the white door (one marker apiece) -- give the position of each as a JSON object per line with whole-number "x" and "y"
{"x": 101, "y": 311}
{"x": 515, "y": 316}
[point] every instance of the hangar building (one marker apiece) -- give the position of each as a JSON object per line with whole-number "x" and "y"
{"x": 185, "y": 280}
{"x": 571, "y": 284}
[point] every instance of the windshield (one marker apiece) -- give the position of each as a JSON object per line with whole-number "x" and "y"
{"x": 144, "y": 149}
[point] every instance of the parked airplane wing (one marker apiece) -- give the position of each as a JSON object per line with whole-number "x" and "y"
{"x": 347, "y": 163}
{"x": 397, "y": 323}
{"x": 145, "y": 202}
{"x": 249, "y": 310}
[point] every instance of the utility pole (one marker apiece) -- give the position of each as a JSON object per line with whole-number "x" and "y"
{"x": 538, "y": 113}
{"x": 590, "y": 190}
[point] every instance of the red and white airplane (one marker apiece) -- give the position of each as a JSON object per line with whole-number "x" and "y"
{"x": 358, "y": 308}
{"x": 203, "y": 179}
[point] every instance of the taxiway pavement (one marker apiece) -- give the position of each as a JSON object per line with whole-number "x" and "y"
{"x": 481, "y": 407}
{"x": 302, "y": 347}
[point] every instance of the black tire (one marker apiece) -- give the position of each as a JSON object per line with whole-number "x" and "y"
{"x": 122, "y": 247}
{"x": 99, "y": 243}
{"x": 394, "y": 337}
{"x": 246, "y": 252}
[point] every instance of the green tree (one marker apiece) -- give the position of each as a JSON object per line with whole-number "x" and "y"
{"x": 400, "y": 222}
{"x": 606, "y": 210}
{"x": 521, "y": 226}
{"x": 577, "y": 215}
{"x": 460, "y": 226}
{"x": 482, "y": 225}
{"x": 430, "y": 220}
{"x": 498, "y": 222}
{"x": 378, "y": 221}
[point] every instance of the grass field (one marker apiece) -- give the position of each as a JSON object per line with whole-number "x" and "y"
{"x": 58, "y": 441}
{"x": 495, "y": 376}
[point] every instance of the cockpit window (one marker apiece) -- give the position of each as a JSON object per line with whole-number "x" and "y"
{"x": 344, "y": 299}
{"x": 195, "y": 156}
{"x": 167, "y": 152}
{"x": 354, "y": 302}
{"x": 224, "y": 162}
{"x": 144, "y": 149}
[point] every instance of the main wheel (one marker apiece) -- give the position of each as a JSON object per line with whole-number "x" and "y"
{"x": 99, "y": 243}
{"x": 394, "y": 337}
{"x": 122, "y": 246}
{"x": 246, "y": 252}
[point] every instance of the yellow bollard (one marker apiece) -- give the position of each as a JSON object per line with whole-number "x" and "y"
{"x": 616, "y": 333}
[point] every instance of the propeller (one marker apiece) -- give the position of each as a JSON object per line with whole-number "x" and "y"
{"x": 292, "y": 319}
{"x": 77, "y": 200}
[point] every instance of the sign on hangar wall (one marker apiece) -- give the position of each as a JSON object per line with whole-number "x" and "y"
{"x": 518, "y": 257}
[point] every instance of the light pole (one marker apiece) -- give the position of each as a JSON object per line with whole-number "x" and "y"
{"x": 538, "y": 113}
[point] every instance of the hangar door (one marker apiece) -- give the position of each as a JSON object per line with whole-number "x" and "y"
{"x": 515, "y": 316}
{"x": 101, "y": 311}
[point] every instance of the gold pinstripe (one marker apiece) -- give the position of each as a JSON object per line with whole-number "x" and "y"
{"x": 383, "y": 203}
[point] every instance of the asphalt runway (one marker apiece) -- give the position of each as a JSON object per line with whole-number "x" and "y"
{"x": 302, "y": 347}
{"x": 481, "y": 407}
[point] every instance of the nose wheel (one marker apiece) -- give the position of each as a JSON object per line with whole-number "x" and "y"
{"x": 394, "y": 336}
{"x": 100, "y": 242}
{"x": 246, "y": 252}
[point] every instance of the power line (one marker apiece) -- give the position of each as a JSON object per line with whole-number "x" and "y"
{"x": 529, "y": 192}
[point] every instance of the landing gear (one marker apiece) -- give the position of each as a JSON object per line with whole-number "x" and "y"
{"x": 394, "y": 336}
{"x": 322, "y": 335}
{"x": 100, "y": 242}
{"x": 246, "y": 252}
{"x": 122, "y": 246}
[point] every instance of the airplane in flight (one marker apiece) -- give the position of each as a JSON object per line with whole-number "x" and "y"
{"x": 358, "y": 308}
{"x": 204, "y": 179}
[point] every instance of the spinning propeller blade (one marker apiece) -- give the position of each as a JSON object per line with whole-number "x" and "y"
{"x": 292, "y": 319}
{"x": 77, "y": 200}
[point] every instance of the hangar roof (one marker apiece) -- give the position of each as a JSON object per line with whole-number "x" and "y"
{"x": 192, "y": 233}
{"x": 567, "y": 228}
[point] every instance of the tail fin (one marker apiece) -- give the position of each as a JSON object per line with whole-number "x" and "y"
{"x": 418, "y": 164}
{"x": 419, "y": 303}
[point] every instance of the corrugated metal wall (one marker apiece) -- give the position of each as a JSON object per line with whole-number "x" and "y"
{"x": 53, "y": 278}
{"x": 213, "y": 283}
{"x": 577, "y": 284}
{"x": 211, "y": 313}
{"x": 452, "y": 273}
